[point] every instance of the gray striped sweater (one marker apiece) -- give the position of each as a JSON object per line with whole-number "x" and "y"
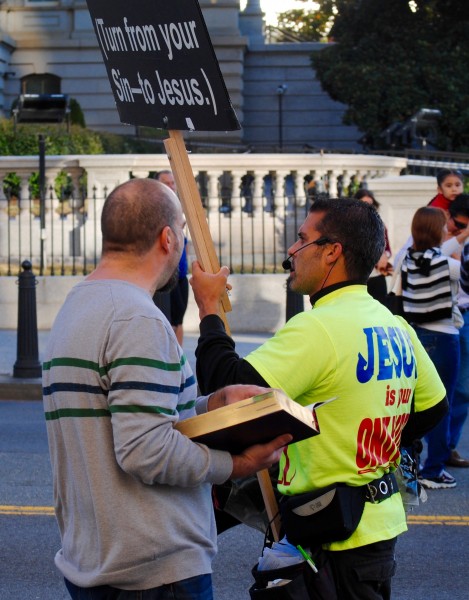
{"x": 132, "y": 495}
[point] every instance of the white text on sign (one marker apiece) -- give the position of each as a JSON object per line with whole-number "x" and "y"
{"x": 144, "y": 38}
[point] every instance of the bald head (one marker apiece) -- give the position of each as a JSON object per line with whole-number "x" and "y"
{"x": 135, "y": 213}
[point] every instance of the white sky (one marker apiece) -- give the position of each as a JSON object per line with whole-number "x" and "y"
{"x": 272, "y": 7}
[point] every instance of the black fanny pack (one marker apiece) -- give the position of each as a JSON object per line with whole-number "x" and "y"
{"x": 331, "y": 514}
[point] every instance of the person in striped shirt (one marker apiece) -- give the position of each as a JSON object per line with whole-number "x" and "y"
{"x": 430, "y": 285}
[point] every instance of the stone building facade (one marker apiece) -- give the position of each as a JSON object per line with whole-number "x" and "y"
{"x": 49, "y": 46}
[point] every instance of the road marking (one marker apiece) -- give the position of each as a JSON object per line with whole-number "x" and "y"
{"x": 438, "y": 520}
{"x": 48, "y": 511}
{"x": 26, "y": 510}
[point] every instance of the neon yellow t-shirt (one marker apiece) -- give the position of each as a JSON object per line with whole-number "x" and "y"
{"x": 351, "y": 347}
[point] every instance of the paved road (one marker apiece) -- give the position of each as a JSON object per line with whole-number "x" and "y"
{"x": 432, "y": 556}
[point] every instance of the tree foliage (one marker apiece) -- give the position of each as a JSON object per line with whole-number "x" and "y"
{"x": 304, "y": 25}
{"x": 393, "y": 58}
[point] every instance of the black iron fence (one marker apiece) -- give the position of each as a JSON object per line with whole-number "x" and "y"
{"x": 60, "y": 239}
{"x": 250, "y": 235}
{"x": 254, "y": 209}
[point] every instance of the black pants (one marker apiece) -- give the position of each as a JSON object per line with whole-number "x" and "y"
{"x": 179, "y": 297}
{"x": 364, "y": 573}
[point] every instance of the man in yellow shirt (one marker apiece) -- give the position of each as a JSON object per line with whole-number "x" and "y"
{"x": 347, "y": 346}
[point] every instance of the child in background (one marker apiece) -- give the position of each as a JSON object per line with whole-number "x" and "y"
{"x": 450, "y": 183}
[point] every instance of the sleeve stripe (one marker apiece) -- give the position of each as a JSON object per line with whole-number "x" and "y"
{"x": 73, "y": 387}
{"x": 129, "y": 360}
{"x": 76, "y": 412}
{"x": 144, "y": 385}
{"x": 102, "y": 412}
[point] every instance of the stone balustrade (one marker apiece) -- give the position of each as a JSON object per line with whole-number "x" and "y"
{"x": 254, "y": 202}
{"x": 107, "y": 171}
{"x": 253, "y": 241}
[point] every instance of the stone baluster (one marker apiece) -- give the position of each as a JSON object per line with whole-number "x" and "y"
{"x": 24, "y": 192}
{"x": 333, "y": 183}
{"x": 345, "y": 182}
{"x": 290, "y": 191}
{"x": 300, "y": 195}
{"x": 236, "y": 200}
{"x": 78, "y": 198}
{"x": 213, "y": 190}
{"x": 279, "y": 199}
{"x": 257, "y": 186}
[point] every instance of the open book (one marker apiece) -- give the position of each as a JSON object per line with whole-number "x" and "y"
{"x": 256, "y": 420}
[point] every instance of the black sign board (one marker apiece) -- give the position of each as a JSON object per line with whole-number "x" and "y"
{"x": 161, "y": 64}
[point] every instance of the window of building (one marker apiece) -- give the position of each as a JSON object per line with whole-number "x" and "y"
{"x": 42, "y": 83}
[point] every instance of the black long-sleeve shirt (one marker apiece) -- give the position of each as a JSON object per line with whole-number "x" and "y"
{"x": 218, "y": 364}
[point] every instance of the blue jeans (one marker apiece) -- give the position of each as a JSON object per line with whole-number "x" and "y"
{"x": 443, "y": 349}
{"x": 194, "y": 588}
{"x": 461, "y": 395}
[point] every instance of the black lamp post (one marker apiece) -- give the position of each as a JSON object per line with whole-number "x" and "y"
{"x": 42, "y": 108}
{"x": 281, "y": 89}
{"x": 42, "y": 197}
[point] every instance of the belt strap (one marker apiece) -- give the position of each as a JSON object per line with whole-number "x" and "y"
{"x": 382, "y": 488}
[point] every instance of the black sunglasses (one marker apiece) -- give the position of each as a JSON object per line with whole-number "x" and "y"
{"x": 458, "y": 224}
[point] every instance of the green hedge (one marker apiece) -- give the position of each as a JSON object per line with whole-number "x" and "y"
{"x": 24, "y": 142}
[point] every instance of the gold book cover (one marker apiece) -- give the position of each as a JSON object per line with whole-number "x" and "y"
{"x": 256, "y": 420}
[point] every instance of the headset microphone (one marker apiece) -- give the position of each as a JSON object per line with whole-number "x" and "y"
{"x": 286, "y": 265}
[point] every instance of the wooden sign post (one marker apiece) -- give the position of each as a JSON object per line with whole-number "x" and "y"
{"x": 188, "y": 192}
{"x": 194, "y": 211}
{"x": 164, "y": 73}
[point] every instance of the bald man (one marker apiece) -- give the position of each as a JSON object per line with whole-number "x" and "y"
{"x": 132, "y": 494}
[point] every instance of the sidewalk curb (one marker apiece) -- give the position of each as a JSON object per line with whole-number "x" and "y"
{"x": 14, "y": 388}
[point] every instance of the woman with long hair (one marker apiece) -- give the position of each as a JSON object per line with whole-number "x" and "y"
{"x": 430, "y": 285}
